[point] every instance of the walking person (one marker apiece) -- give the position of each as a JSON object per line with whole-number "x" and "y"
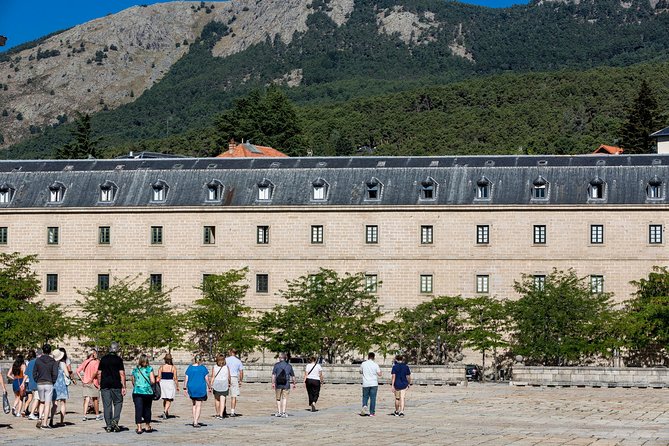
{"x": 313, "y": 379}
{"x": 17, "y": 373}
{"x": 45, "y": 375}
{"x": 30, "y": 386}
{"x": 88, "y": 374}
{"x": 111, "y": 375}
{"x": 61, "y": 391}
{"x": 169, "y": 384}
{"x": 401, "y": 380}
{"x": 282, "y": 376}
{"x": 371, "y": 372}
{"x": 33, "y": 403}
{"x": 142, "y": 393}
{"x": 219, "y": 382}
{"x": 196, "y": 387}
{"x": 236, "y": 377}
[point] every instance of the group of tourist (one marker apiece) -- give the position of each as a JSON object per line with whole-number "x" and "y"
{"x": 41, "y": 386}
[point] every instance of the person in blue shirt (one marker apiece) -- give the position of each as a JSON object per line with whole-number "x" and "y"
{"x": 401, "y": 380}
{"x": 196, "y": 387}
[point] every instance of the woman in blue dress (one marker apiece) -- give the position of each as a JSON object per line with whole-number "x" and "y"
{"x": 61, "y": 392}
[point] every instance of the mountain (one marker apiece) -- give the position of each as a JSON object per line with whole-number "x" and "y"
{"x": 148, "y": 72}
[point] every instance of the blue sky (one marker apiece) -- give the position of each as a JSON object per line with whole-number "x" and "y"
{"x": 25, "y": 20}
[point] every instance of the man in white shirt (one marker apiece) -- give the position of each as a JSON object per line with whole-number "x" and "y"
{"x": 236, "y": 377}
{"x": 370, "y": 385}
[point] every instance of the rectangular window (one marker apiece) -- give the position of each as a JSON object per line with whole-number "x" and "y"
{"x": 654, "y": 234}
{"x": 209, "y": 235}
{"x": 263, "y": 235}
{"x": 426, "y": 283}
{"x": 426, "y": 235}
{"x": 372, "y": 234}
{"x": 103, "y": 282}
{"x": 482, "y": 284}
{"x": 263, "y": 193}
{"x": 319, "y": 192}
{"x": 159, "y": 194}
{"x": 316, "y": 234}
{"x": 540, "y": 192}
{"x": 597, "y": 284}
{"x": 156, "y": 281}
{"x": 539, "y": 234}
{"x": 3, "y": 235}
{"x": 52, "y": 283}
{"x": 262, "y": 283}
{"x": 539, "y": 282}
{"x": 52, "y": 235}
{"x": 156, "y": 235}
{"x": 104, "y": 235}
{"x": 483, "y": 192}
{"x": 371, "y": 283}
{"x": 107, "y": 195}
{"x": 596, "y": 234}
{"x": 5, "y": 196}
{"x": 482, "y": 234}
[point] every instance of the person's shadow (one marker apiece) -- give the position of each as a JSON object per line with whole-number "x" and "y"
{"x": 6, "y": 426}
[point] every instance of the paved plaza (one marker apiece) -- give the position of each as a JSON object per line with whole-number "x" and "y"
{"x": 478, "y": 414}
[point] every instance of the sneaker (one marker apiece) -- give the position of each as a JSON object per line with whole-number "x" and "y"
{"x": 278, "y": 415}
{"x": 99, "y": 418}
{"x": 115, "y": 427}
{"x": 313, "y": 408}
{"x": 372, "y": 415}
{"x": 33, "y": 417}
{"x": 284, "y": 415}
{"x": 363, "y": 412}
{"x": 109, "y": 429}
{"x": 401, "y": 414}
{"x": 396, "y": 413}
{"x": 232, "y": 414}
{"x": 46, "y": 427}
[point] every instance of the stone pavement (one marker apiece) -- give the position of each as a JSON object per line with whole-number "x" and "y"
{"x": 478, "y": 414}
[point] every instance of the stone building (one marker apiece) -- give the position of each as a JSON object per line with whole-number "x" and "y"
{"x": 421, "y": 225}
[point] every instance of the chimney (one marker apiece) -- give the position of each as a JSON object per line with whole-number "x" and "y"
{"x": 231, "y": 145}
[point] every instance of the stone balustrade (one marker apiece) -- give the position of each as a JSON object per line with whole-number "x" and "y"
{"x": 590, "y": 376}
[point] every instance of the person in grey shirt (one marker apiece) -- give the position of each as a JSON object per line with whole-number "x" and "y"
{"x": 45, "y": 375}
{"x": 282, "y": 377}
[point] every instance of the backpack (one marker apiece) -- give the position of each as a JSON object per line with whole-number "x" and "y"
{"x": 281, "y": 378}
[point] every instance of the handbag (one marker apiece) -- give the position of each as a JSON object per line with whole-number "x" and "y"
{"x": 155, "y": 387}
{"x": 5, "y": 403}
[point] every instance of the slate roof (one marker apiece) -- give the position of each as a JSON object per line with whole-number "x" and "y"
{"x": 663, "y": 132}
{"x": 455, "y": 180}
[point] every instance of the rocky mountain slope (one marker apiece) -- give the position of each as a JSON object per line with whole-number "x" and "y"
{"x": 158, "y": 53}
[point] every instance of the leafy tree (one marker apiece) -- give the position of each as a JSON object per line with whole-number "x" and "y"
{"x": 432, "y": 332}
{"x": 487, "y": 323}
{"x": 329, "y": 314}
{"x": 83, "y": 144}
{"x": 265, "y": 118}
{"x": 561, "y": 322}
{"x": 136, "y": 314}
{"x": 643, "y": 118}
{"x": 646, "y": 321}
{"x": 26, "y": 322}
{"x": 220, "y": 320}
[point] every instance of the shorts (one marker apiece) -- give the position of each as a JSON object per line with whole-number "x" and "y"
{"x": 234, "y": 386}
{"x": 90, "y": 391}
{"x": 198, "y": 398}
{"x": 400, "y": 393}
{"x": 45, "y": 392}
{"x": 281, "y": 393}
{"x": 221, "y": 393}
{"x": 35, "y": 395}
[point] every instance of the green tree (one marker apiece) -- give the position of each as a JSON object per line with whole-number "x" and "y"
{"x": 25, "y": 321}
{"x": 83, "y": 145}
{"x": 646, "y": 320}
{"x": 432, "y": 332}
{"x": 220, "y": 320}
{"x": 136, "y": 314}
{"x": 561, "y": 321}
{"x": 487, "y": 323}
{"x": 643, "y": 118}
{"x": 265, "y": 118}
{"x": 329, "y": 314}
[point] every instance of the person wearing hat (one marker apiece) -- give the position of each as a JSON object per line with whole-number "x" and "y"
{"x": 169, "y": 384}
{"x": 88, "y": 374}
{"x": 45, "y": 375}
{"x": 61, "y": 393}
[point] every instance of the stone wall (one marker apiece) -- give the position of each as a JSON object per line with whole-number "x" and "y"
{"x": 590, "y": 376}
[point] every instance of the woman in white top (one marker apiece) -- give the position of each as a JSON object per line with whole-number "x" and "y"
{"x": 313, "y": 378}
{"x": 220, "y": 385}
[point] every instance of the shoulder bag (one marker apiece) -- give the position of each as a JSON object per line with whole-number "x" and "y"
{"x": 155, "y": 387}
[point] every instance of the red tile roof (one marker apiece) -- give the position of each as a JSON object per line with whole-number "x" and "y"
{"x": 248, "y": 150}
{"x": 611, "y": 150}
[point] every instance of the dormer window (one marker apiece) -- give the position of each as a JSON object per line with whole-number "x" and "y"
{"x": 214, "y": 190}
{"x": 596, "y": 189}
{"x": 428, "y": 189}
{"x": 373, "y": 189}
{"x": 107, "y": 192}
{"x": 159, "y": 191}
{"x": 320, "y": 189}
{"x": 483, "y": 189}
{"x": 265, "y": 189}
{"x": 6, "y": 193}
{"x": 540, "y": 189}
{"x": 56, "y": 192}
{"x": 653, "y": 190}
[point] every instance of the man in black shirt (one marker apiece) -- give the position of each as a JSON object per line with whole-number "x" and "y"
{"x": 111, "y": 375}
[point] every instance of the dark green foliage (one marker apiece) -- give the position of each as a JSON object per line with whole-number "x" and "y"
{"x": 46, "y": 54}
{"x": 643, "y": 118}
{"x": 19, "y": 116}
{"x": 5, "y": 113}
{"x": 83, "y": 144}
{"x": 487, "y": 325}
{"x": 562, "y": 322}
